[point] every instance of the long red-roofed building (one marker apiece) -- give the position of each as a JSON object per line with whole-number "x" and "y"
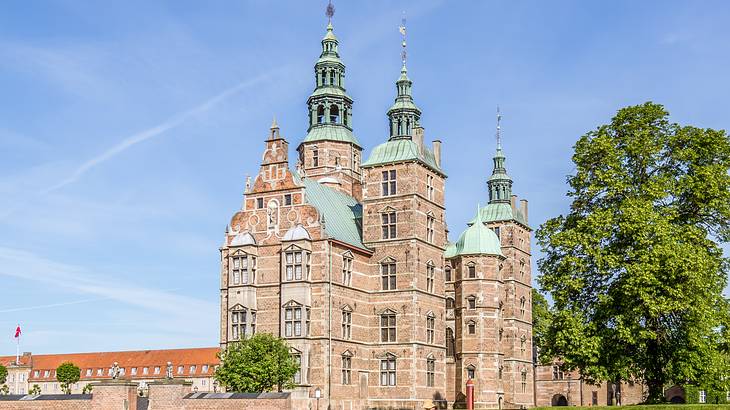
{"x": 142, "y": 366}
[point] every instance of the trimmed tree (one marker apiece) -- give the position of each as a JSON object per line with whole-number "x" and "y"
{"x": 257, "y": 364}
{"x": 67, "y": 374}
{"x": 634, "y": 269}
{"x": 541, "y": 318}
{"x": 3, "y": 374}
{"x": 35, "y": 390}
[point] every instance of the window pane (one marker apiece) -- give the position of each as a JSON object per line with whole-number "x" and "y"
{"x": 298, "y": 257}
{"x": 289, "y": 258}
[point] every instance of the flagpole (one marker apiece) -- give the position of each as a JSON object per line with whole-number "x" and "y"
{"x": 17, "y": 349}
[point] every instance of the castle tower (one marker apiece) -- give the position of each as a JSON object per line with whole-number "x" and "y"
{"x": 404, "y": 225}
{"x": 330, "y": 153}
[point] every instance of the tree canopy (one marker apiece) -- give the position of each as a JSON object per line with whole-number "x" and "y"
{"x": 257, "y": 364}
{"x": 67, "y": 374}
{"x": 634, "y": 269}
{"x": 541, "y": 318}
{"x": 3, "y": 374}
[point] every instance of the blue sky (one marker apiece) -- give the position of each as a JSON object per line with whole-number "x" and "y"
{"x": 127, "y": 129}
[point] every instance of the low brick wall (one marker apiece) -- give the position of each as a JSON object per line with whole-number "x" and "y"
{"x": 166, "y": 395}
{"x": 46, "y": 402}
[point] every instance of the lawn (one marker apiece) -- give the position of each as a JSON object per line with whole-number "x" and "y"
{"x": 649, "y": 407}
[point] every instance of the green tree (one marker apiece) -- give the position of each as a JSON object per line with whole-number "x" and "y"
{"x": 35, "y": 390}
{"x": 3, "y": 374}
{"x": 67, "y": 374}
{"x": 541, "y": 318}
{"x": 257, "y": 364}
{"x": 634, "y": 269}
{"x": 5, "y": 389}
{"x": 87, "y": 389}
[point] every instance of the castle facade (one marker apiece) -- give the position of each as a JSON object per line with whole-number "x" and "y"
{"x": 348, "y": 258}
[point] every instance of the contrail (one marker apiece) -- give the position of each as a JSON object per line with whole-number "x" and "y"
{"x": 154, "y": 131}
{"x": 52, "y": 305}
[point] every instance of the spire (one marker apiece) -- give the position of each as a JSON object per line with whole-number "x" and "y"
{"x": 403, "y": 115}
{"x": 330, "y": 108}
{"x": 500, "y": 184}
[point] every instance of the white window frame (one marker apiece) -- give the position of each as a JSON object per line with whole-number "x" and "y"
{"x": 388, "y": 184}
{"x": 388, "y": 371}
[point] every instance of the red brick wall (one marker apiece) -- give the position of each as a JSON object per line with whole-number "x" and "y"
{"x": 46, "y": 405}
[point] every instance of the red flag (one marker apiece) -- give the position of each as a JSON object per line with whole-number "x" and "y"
{"x": 17, "y": 332}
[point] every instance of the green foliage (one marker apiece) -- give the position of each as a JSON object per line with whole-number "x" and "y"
{"x": 541, "y": 318}
{"x": 87, "y": 389}
{"x": 634, "y": 269}
{"x": 5, "y": 390}
{"x": 35, "y": 390}
{"x": 257, "y": 364}
{"x": 3, "y": 374}
{"x": 67, "y": 374}
{"x": 712, "y": 396}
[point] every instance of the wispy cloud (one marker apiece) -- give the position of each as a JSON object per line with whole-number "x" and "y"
{"x": 30, "y": 266}
{"x": 154, "y": 131}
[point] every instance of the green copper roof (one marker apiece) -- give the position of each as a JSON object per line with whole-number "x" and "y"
{"x": 342, "y": 213}
{"x": 336, "y": 91}
{"x": 403, "y": 105}
{"x": 500, "y": 211}
{"x": 331, "y": 132}
{"x": 401, "y": 150}
{"x": 450, "y": 251}
{"x": 477, "y": 239}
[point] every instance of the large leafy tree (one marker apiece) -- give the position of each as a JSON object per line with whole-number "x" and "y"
{"x": 541, "y": 318}
{"x": 634, "y": 269}
{"x": 257, "y": 364}
{"x": 67, "y": 374}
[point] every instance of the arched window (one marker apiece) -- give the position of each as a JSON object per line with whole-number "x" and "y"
{"x": 320, "y": 114}
{"x": 344, "y": 117}
{"x": 332, "y": 77}
{"x": 450, "y": 303}
{"x": 471, "y": 327}
{"x": 334, "y": 114}
{"x": 447, "y": 272}
{"x": 471, "y": 302}
{"x": 522, "y": 307}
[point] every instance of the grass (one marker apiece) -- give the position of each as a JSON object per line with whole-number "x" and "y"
{"x": 648, "y": 407}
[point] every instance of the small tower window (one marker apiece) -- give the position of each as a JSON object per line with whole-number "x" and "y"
{"x": 430, "y": 371}
{"x": 449, "y": 342}
{"x": 470, "y": 372}
{"x": 430, "y": 328}
{"x": 320, "y": 114}
{"x": 522, "y": 307}
{"x": 388, "y": 225}
{"x": 389, "y": 182}
{"x": 315, "y": 158}
{"x": 430, "y": 276}
{"x": 332, "y": 77}
{"x": 388, "y": 275}
{"x": 387, "y": 327}
{"x": 471, "y": 327}
{"x": 471, "y": 302}
{"x": 472, "y": 269}
{"x": 334, "y": 114}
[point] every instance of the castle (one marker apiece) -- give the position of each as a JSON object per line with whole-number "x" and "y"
{"x": 348, "y": 258}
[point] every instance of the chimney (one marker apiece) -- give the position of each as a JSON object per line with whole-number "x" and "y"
{"x": 513, "y": 202}
{"x": 523, "y": 206}
{"x": 437, "y": 152}
{"x": 418, "y": 137}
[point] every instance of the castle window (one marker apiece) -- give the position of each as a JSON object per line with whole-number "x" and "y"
{"x": 295, "y": 264}
{"x": 500, "y": 371}
{"x": 522, "y": 269}
{"x": 496, "y": 231}
{"x": 388, "y": 225}
{"x": 332, "y": 77}
{"x": 430, "y": 276}
{"x": 387, "y": 371}
{"x": 472, "y": 269}
{"x": 470, "y": 372}
{"x": 315, "y": 158}
{"x": 389, "y": 183}
{"x": 241, "y": 272}
{"x": 387, "y": 327}
{"x": 500, "y": 334}
{"x": 298, "y": 374}
{"x": 346, "y": 324}
{"x": 287, "y": 199}
{"x": 346, "y": 270}
{"x": 471, "y": 302}
{"x": 239, "y": 319}
{"x": 387, "y": 274}
{"x": 429, "y": 187}
{"x": 334, "y": 114}
{"x": 523, "y": 342}
{"x": 430, "y": 222}
{"x": 558, "y": 373}
{"x": 430, "y": 328}
{"x": 450, "y": 303}
{"x": 259, "y": 203}
{"x": 430, "y": 371}
{"x": 471, "y": 327}
{"x": 449, "y": 342}
{"x": 320, "y": 114}
{"x": 447, "y": 273}
{"x": 346, "y": 369}
{"x": 522, "y": 307}
{"x": 296, "y": 321}
{"x": 253, "y": 322}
